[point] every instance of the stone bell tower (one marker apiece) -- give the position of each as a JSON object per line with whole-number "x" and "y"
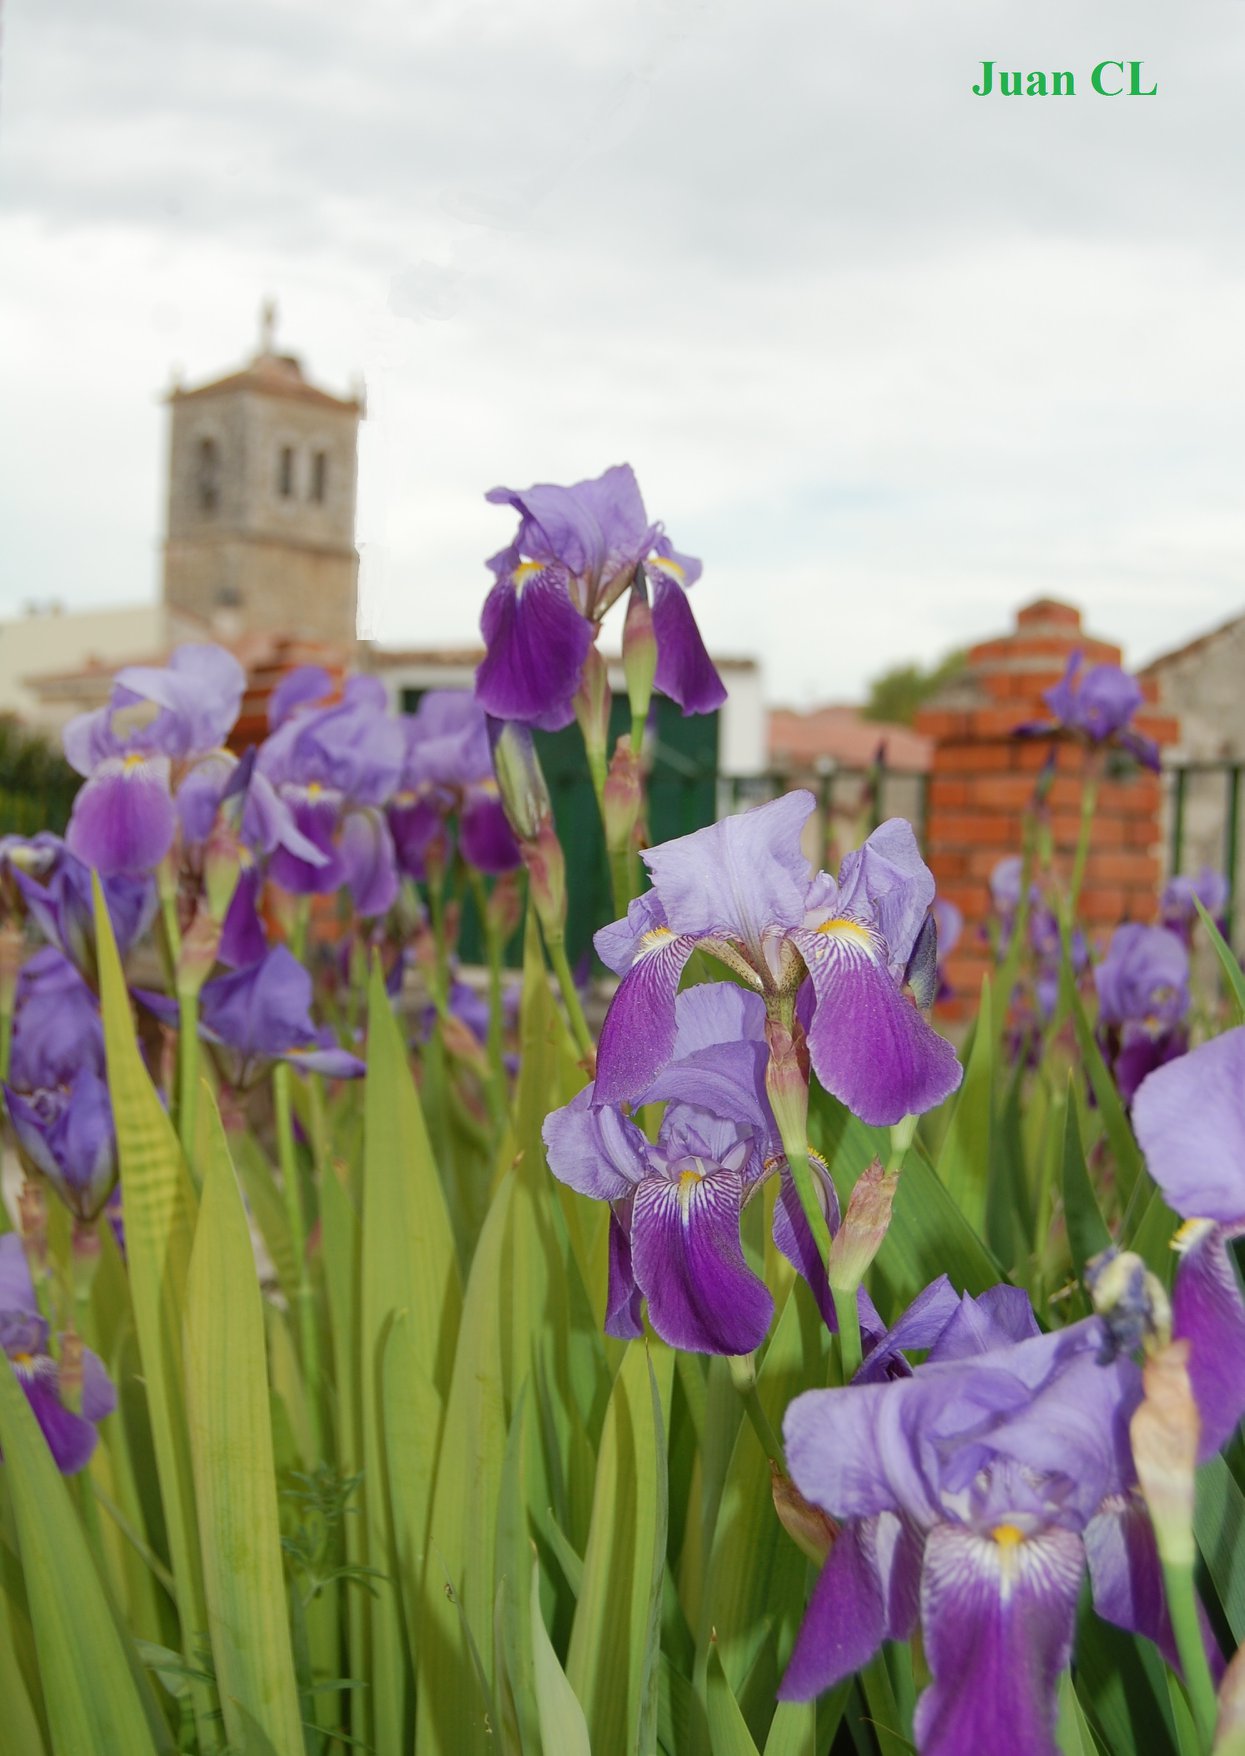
{"x": 261, "y": 510}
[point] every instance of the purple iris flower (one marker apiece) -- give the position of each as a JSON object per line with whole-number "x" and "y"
{"x": 263, "y": 1014}
{"x": 743, "y": 891}
{"x": 1095, "y": 707}
{"x": 1190, "y": 1122}
{"x": 1177, "y": 907}
{"x": 264, "y": 821}
{"x": 1143, "y": 1002}
{"x": 575, "y": 553}
{"x": 972, "y": 1494}
{"x": 449, "y": 769}
{"x": 57, "y": 1097}
{"x": 676, "y": 1204}
{"x": 57, "y": 1031}
{"x": 335, "y": 767}
{"x": 62, "y": 906}
{"x": 71, "y": 1436}
{"x": 123, "y": 818}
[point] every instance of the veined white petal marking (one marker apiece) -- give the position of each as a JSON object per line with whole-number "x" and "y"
{"x": 852, "y": 937}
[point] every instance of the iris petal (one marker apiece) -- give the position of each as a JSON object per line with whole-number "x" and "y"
{"x": 1207, "y": 1310}
{"x": 998, "y": 1616}
{"x": 537, "y": 642}
{"x": 637, "y": 1037}
{"x": 123, "y": 817}
{"x": 689, "y": 1264}
{"x": 870, "y": 1047}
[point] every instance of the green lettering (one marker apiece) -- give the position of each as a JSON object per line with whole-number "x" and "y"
{"x": 1037, "y": 86}
{"x": 1096, "y": 79}
{"x": 1064, "y": 86}
{"x": 1134, "y": 81}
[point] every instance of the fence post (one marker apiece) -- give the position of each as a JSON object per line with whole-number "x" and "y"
{"x": 1176, "y": 852}
{"x": 1231, "y": 838}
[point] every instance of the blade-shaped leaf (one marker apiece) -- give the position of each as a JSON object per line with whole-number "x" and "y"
{"x": 160, "y": 1211}
{"x": 1234, "y": 976}
{"x": 964, "y": 1161}
{"x": 235, "y": 1479}
{"x": 563, "y": 1728}
{"x": 408, "y": 1264}
{"x": 612, "y": 1661}
{"x": 1087, "y": 1230}
{"x": 92, "y": 1700}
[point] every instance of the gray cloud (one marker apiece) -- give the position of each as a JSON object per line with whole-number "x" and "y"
{"x": 890, "y": 357}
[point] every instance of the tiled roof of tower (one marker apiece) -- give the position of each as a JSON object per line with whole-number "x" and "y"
{"x": 271, "y": 375}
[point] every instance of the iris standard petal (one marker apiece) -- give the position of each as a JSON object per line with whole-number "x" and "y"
{"x": 869, "y": 1045}
{"x": 592, "y": 1149}
{"x": 888, "y": 884}
{"x": 638, "y": 1035}
{"x": 740, "y": 876}
{"x": 536, "y": 643}
{"x": 123, "y": 817}
{"x": 1190, "y": 1122}
{"x": 998, "y": 1614}
{"x": 685, "y": 672}
{"x": 919, "y": 1327}
{"x": 689, "y": 1264}
{"x": 1208, "y": 1313}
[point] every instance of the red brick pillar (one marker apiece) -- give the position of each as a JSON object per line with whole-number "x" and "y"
{"x": 982, "y": 781}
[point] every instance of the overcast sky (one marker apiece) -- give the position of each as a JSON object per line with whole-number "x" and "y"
{"x": 890, "y": 357}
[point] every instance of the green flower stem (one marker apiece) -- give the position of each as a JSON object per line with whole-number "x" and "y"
{"x": 309, "y": 1341}
{"x": 786, "y": 1084}
{"x": 556, "y": 947}
{"x": 436, "y": 914}
{"x": 494, "y": 951}
{"x": 1089, "y": 803}
{"x": 848, "y": 1314}
{"x": 744, "y": 1378}
{"x": 624, "y": 875}
{"x": 187, "y": 1070}
{"x": 1186, "y": 1626}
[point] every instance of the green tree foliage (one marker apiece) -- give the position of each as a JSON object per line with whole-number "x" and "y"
{"x": 37, "y": 785}
{"x": 898, "y": 695}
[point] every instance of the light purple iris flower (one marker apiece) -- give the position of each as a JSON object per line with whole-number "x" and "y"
{"x": 336, "y": 766}
{"x": 1190, "y": 1122}
{"x": 71, "y": 1436}
{"x": 57, "y": 1097}
{"x": 1177, "y": 907}
{"x": 449, "y": 770}
{"x": 972, "y": 1494}
{"x": 1143, "y": 1002}
{"x": 262, "y": 1014}
{"x": 123, "y": 818}
{"x": 676, "y": 1205}
{"x": 575, "y": 553}
{"x": 1096, "y": 707}
{"x": 743, "y": 891}
{"x": 62, "y": 906}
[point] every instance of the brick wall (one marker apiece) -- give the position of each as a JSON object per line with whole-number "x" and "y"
{"x": 983, "y": 777}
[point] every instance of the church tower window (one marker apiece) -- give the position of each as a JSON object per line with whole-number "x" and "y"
{"x": 207, "y": 475}
{"x": 319, "y": 476}
{"x": 285, "y": 472}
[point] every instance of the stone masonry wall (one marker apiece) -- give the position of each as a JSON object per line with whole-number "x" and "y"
{"x": 983, "y": 779}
